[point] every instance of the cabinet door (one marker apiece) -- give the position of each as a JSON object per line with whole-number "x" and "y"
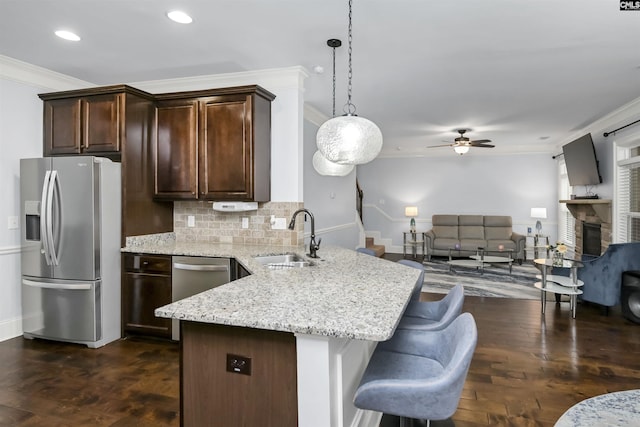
{"x": 62, "y": 127}
{"x": 142, "y": 294}
{"x": 176, "y": 168}
{"x": 226, "y": 148}
{"x": 102, "y": 123}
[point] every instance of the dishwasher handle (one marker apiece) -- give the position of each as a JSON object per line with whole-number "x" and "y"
{"x": 200, "y": 267}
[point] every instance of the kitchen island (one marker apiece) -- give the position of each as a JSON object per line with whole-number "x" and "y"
{"x": 307, "y": 333}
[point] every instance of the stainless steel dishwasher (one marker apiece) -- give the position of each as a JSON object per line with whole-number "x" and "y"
{"x": 192, "y": 275}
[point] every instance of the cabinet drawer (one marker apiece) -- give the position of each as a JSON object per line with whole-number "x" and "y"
{"x": 147, "y": 263}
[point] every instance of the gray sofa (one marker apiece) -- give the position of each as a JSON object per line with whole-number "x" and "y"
{"x": 469, "y": 232}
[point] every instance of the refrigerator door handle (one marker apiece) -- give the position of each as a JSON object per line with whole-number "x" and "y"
{"x": 54, "y": 194}
{"x": 65, "y": 286}
{"x": 44, "y": 215}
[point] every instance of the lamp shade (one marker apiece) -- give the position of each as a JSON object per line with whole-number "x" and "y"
{"x": 349, "y": 140}
{"x": 325, "y": 167}
{"x": 411, "y": 211}
{"x": 461, "y": 149}
{"x": 539, "y": 213}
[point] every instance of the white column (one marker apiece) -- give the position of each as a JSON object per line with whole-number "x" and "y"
{"x": 329, "y": 371}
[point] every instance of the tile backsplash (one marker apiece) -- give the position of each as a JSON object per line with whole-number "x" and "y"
{"x": 226, "y": 227}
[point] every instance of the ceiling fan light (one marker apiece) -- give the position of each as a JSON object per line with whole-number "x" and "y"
{"x": 327, "y": 168}
{"x": 349, "y": 140}
{"x": 461, "y": 149}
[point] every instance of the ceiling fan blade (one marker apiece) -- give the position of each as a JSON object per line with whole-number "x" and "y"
{"x": 480, "y": 140}
{"x": 482, "y": 145}
{"x": 438, "y": 146}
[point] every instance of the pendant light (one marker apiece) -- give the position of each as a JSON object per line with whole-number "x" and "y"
{"x": 349, "y": 139}
{"x": 320, "y": 163}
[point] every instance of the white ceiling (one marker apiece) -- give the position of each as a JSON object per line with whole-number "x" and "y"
{"x": 527, "y": 75}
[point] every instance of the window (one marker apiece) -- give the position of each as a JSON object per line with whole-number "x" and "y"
{"x": 628, "y": 194}
{"x": 566, "y": 221}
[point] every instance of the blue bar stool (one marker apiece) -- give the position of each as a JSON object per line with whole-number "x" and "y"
{"x": 423, "y": 379}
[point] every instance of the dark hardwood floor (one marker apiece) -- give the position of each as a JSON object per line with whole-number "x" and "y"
{"x": 527, "y": 370}
{"x": 131, "y": 382}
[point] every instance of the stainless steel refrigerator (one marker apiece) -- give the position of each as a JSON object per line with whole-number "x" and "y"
{"x": 70, "y": 225}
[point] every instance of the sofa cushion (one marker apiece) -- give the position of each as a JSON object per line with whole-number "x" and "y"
{"x": 497, "y": 233}
{"x": 472, "y": 244}
{"x": 497, "y": 227}
{"x": 497, "y": 221}
{"x": 444, "y": 219}
{"x": 445, "y": 244}
{"x": 471, "y": 220}
{"x": 471, "y": 232}
{"x": 493, "y": 245}
{"x": 445, "y": 226}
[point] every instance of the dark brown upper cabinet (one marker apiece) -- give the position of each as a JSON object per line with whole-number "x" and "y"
{"x": 115, "y": 122}
{"x": 214, "y": 144}
{"x": 91, "y": 124}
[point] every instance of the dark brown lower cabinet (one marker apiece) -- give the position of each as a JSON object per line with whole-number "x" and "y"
{"x": 211, "y": 396}
{"x": 146, "y": 285}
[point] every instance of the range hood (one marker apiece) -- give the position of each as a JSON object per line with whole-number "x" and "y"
{"x": 235, "y": 206}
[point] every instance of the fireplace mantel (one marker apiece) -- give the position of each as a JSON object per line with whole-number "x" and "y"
{"x": 601, "y": 207}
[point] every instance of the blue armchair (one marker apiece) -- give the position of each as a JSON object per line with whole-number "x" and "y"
{"x": 602, "y": 276}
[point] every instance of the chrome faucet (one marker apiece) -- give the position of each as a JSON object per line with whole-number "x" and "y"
{"x": 313, "y": 246}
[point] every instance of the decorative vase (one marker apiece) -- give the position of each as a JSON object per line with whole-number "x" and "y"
{"x": 557, "y": 259}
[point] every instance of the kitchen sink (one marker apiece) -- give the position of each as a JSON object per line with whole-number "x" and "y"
{"x": 283, "y": 261}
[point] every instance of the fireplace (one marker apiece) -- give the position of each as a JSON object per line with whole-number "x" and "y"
{"x": 591, "y": 239}
{"x": 593, "y": 225}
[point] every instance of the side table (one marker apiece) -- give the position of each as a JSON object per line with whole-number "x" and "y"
{"x": 540, "y": 242}
{"x": 559, "y": 284}
{"x": 414, "y": 241}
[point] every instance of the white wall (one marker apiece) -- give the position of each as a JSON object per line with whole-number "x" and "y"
{"x": 20, "y": 137}
{"x": 452, "y": 184}
{"x": 331, "y": 199}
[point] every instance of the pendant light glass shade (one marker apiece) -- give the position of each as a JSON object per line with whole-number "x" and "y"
{"x": 349, "y": 140}
{"x": 325, "y": 167}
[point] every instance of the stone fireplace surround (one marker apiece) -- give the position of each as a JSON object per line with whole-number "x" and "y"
{"x": 592, "y": 211}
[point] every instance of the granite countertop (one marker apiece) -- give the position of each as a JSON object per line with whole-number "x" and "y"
{"x": 621, "y": 408}
{"x": 345, "y": 294}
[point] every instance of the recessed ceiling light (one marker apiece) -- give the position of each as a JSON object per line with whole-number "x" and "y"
{"x": 67, "y": 35}
{"x": 179, "y": 17}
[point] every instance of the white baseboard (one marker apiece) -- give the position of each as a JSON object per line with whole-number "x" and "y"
{"x": 10, "y": 328}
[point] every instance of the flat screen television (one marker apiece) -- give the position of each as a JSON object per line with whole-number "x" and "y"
{"x": 581, "y": 161}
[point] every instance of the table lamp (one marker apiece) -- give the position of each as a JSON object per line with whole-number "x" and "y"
{"x": 411, "y": 211}
{"x": 539, "y": 213}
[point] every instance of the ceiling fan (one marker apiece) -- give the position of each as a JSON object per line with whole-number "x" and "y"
{"x": 462, "y": 144}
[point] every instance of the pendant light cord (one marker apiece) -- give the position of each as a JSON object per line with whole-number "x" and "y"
{"x": 334, "y": 43}
{"x": 350, "y": 109}
{"x": 334, "y": 82}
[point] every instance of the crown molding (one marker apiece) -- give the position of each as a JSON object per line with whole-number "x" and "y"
{"x": 607, "y": 122}
{"x": 313, "y": 115}
{"x": 23, "y": 72}
{"x": 271, "y": 79}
